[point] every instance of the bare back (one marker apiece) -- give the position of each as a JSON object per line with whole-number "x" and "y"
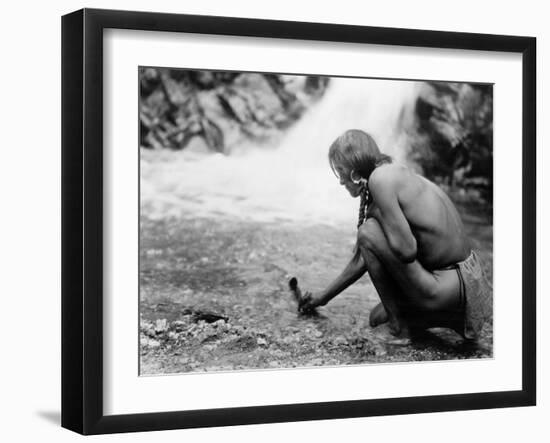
{"x": 431, "y": 216}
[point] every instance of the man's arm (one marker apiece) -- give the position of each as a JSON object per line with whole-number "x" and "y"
{"x": 384, "y": 188}
{"x": 354, "y": 270}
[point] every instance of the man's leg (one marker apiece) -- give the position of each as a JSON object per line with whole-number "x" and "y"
{"x": 392, "y": 308}
{"x": 392, "y": 301}
{"x": 410, "y": 293}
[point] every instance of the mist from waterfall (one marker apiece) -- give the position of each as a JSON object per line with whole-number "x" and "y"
{"x": 291, "y": 181}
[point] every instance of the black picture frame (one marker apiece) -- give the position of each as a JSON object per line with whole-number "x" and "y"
{"x": 82, "y": 220}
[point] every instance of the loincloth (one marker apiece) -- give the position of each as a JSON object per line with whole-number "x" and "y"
{"x": 476, "y": 295}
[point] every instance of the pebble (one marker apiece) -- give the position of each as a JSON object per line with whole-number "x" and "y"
{"x": 153, "y": 343}
{"x": 340, "y": 340}
{"x": 161, "y": 325}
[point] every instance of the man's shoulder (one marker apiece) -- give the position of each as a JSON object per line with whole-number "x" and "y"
{"x": 390, "y": 175}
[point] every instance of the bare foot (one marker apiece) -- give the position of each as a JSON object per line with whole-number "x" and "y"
{"x": 402, "y": 334}
{"x": 378, "y": 316}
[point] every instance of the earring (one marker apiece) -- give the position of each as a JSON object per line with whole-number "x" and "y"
{"x": 360, "y": 181}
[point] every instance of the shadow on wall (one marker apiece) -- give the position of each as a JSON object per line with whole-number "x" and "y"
{"x": 54, "y": 417}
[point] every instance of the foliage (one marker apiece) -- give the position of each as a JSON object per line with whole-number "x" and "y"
{"x": 452, "y": 140}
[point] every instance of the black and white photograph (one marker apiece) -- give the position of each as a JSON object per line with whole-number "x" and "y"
{"x": 275, "y": 221}
{"x": 297, "y": 220}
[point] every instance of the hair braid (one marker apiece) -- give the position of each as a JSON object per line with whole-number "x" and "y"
{"x": 363, "y": 205}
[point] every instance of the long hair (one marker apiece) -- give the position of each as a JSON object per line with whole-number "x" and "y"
{"x": 357, "y": 151}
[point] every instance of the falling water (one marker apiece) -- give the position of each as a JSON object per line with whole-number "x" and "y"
{"x": 292, "y": 181}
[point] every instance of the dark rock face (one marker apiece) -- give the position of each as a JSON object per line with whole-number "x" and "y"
{"x": 453, "y": 137}
{"x": 222, "y": 108}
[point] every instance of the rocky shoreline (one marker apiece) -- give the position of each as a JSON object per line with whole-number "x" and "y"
{"x": 214, "y": 297}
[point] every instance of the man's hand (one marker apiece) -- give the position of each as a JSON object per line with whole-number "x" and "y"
{"x": 309, "y": 302}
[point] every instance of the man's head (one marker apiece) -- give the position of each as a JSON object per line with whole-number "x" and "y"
{"x": 352, "y": 157}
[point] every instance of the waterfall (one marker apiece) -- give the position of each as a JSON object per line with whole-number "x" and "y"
{"x": 292, "y": 181}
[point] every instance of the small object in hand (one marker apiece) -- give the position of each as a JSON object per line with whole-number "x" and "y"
{"x": 300, "y": 298}
{"x": 295, "y": 290}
